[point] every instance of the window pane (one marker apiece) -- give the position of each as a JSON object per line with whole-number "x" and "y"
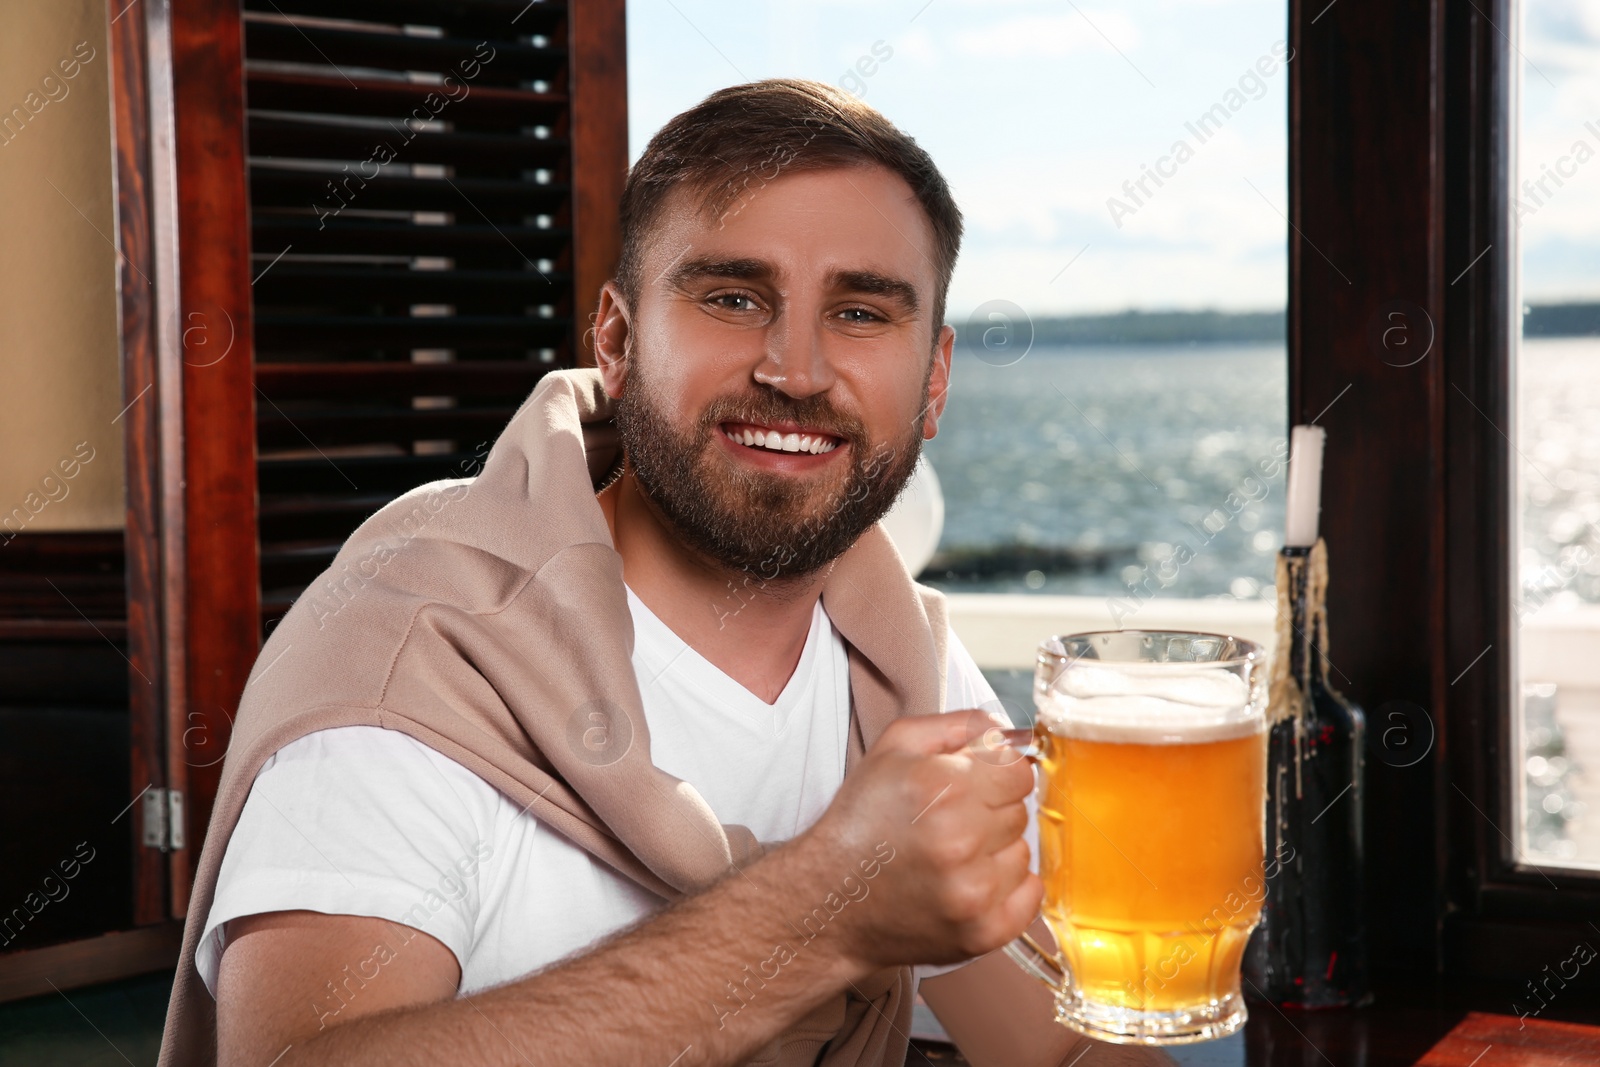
{"x": 1557, "y": 207}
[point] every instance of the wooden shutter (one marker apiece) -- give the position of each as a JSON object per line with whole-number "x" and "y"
{"x": 295, "y": 353}
{"x": 418, "y": 190}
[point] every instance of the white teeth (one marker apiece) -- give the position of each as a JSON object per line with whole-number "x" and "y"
{"x": 793, "y": 442}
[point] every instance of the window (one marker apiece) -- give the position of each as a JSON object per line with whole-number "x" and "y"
{"x": 1556, "y": 571}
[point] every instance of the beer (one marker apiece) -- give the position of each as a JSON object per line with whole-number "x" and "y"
{"x": 1151, "y": 752}
{"x": 1151, "y": 851}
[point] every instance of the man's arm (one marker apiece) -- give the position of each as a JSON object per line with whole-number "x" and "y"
{"x": 1000, "y": 1017}
{"x": 919, "y": 859}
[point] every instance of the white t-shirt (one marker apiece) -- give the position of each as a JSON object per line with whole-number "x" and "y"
{"x": 359, "y": 820}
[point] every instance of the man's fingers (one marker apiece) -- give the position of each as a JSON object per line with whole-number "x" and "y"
{"x": 1023, "y": 903}
{"x": 932, "y": 735}
{"x": 1015, "y": 862}
{"x": 1005, "y": 829}
{"x": 1000, "y": 784}
{"x": 1020, "y": 906}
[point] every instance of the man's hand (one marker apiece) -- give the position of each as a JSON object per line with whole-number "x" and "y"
{"x": 953, "y": 813}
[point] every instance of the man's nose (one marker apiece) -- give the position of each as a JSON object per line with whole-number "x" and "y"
{"x": 796, "y": 359}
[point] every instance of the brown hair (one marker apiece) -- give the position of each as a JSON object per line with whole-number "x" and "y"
{"x": 746, "y": 135}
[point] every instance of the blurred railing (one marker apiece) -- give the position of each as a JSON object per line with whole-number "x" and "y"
{"x": 1003, "y": 630}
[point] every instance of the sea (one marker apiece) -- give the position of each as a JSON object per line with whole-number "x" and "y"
{"x": 1558, "y": 446}
{"x": 1082, "y": 470}
{"x": 1111, "y": 457}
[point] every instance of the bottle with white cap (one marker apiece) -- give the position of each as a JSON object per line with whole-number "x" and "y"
{"x": 1309, "y": 950}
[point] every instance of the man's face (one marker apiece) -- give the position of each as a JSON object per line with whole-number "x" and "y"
{"x": 780, "y": 368}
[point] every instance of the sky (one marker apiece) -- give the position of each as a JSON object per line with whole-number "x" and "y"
{"x": 1039, "y": 112}
{"x": 1560, "y": 230}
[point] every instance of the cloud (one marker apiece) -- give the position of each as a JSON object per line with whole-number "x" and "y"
{"x": 1188, "y": 275}
{"x": 1560, "y": 124}
{"x": 1049, "y": 36}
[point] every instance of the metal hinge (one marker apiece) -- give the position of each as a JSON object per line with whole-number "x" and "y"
{"x": 163, "y": 819}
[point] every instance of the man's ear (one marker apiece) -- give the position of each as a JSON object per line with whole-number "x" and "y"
{"x": 611, "y": 335}
{"x": 938, "y": 382}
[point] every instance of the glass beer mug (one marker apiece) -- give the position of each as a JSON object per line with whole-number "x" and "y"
{"x": 1151, "y": 754}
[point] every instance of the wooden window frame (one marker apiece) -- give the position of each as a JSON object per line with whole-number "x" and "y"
{"x": 1402, "y": 133}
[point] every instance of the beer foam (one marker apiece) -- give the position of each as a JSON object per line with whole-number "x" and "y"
{"x": 1156, "y": 708}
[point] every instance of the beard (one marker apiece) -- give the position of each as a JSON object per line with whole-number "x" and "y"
{"x": 776, "y": 526}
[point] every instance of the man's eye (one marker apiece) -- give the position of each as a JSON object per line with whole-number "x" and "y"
{"x": 734, "y": 301}
{"x": 858, "y": 315}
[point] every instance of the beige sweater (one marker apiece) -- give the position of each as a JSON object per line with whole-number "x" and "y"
{"x": 488, "y": 620}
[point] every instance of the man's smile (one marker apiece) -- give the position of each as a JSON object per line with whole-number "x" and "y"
{"x": 778, "y": 438}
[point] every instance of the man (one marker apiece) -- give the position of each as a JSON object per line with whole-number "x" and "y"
{"x": 696, "y": 880}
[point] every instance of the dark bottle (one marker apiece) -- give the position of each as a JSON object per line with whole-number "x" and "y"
{"x": 1309, "y": 950}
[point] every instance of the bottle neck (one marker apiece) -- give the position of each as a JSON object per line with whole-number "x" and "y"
{"x": 1306, "y": 605}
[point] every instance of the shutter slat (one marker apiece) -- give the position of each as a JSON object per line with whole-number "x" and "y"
{"x": 476, "y": 17}
{"x": 500, "y": 63}
{"x": 294, "y": 563}
{"x": 332, "y": 333}
{"x": 300, "y": 190}
{"x": 334, "y": 286}
{"x": 316, "y": 94}
{"x": 284, "y": 518}
{"x": 396, "y": 425}
{"x": 364, "y": 148}
{"x": 344, "y": 235}
{"x": 291, "y": 381}
{"x": 371, "y": 474}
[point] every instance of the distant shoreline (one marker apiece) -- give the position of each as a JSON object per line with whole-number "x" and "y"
{"x": 1223, "y": 327}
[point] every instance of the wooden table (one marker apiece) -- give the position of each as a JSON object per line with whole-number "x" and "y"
{"x": 1482, "y": 1040}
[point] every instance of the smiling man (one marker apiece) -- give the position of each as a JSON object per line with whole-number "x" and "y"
{"x": 634, "y": 753}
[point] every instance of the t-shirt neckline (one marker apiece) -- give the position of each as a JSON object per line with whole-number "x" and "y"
{"x": 658, "y": 648}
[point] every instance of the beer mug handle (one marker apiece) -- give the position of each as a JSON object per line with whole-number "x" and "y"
{"x": 1037, "y": 961}
{"x": 1020, "y": 740}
